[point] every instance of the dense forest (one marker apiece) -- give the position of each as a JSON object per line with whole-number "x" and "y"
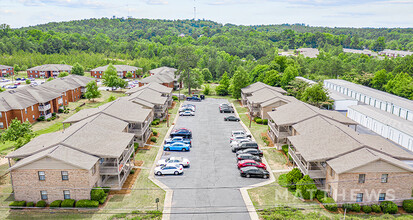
{"x": 217, "y": 48}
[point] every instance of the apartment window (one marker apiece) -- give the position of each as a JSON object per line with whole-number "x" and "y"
{"x": 384, "y": 178}
{"x": 382, "y": 196}
{"x": 66, "y": 194}
{"x": 43, "y": 195}
{"x": 33, "y": 118}
{"x": 35, "y": 76}
{"x": 32, "y": 107}
{"x": 65, "y": 175}
{"x": 25, "y": 110}
{"x": 362, "y": 178}
{"x": 42, "y": 175}
{"x": 1, "y": 115}
{"x": 359, "y": 197}
{"x": 1, "y": 125}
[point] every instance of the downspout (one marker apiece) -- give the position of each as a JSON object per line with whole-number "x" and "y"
{"x": 7, "y": 121}
{"x": 21, "y": 111}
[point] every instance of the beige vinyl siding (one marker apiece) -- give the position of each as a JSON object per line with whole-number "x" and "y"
{"x": 47, "y": 163}
{"x": 375, "y": 166}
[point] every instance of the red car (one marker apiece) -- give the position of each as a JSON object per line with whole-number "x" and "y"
{"x": 248, "y": 163}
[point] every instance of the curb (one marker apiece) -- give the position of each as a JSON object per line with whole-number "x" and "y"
{"x": 167, "y": 204}
{"x": 244, "y": 191}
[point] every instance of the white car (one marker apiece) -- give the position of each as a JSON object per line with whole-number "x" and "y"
{"x": 236, "y": 133}
{"x": 169, "y": 169}
{"x": 187, "y": 113}
{"x": 174, "y": 160}
{"x": 236, "y": 143}
{"x": 238, "y": 137}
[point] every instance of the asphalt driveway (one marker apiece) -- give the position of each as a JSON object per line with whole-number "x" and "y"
{"x": 209, "y": 189}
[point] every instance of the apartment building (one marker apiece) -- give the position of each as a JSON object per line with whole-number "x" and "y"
{"x": 255, "y": 87}
{"x": 48, "y": 70}
{"x": 284, "y": 117}
{"x": 164, "y": 76}
{"x": 308, "y": 52}
{"x": 393, "y": 104}
{"x": 71, "y": 87}
{"x": 121, "y": 70}
{"x": 6, "y": 70}
{"x": 364, "y": 51}
{"x": 96, "y": 152}
{"x": 137, "y": 117}
{"x": 151, "y": 99}
{"x": 165, "y": 91}
{"x": 351, "y": 167}
{"x": 395, "y": 53}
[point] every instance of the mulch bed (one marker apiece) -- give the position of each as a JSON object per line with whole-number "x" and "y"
{"x": 128, "y": 182}
{"x": 271, "y": 143}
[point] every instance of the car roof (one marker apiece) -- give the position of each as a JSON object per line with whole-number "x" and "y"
{"x": 245, "y": 154}
{"x": 176, "y": 158}
{"x": 247, "y": 161}
{"x": 249, "y": 168}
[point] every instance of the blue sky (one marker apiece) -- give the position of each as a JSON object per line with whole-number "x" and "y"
{"x": 331, "y": 13}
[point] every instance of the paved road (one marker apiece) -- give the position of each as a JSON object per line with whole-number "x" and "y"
{"x": 209, "y": 189}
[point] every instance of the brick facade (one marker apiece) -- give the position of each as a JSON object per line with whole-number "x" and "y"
{"x": 99, "y": 74}
{"x": 6, "y": 71}
{"x": 27, "y": 186}
{"x": 36, "y": 74}
{"x": 345, "y": 187}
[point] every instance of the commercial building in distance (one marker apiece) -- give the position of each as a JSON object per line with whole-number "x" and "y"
{"x": 121, "y": 70}
{"x": 48, "y": 70}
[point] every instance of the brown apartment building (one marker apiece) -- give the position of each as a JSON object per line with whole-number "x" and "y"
{"x": 48, "y": 70}
{"x": 121, "y": 70}
{"x": 156, "y": 87}
{"x": 164, "y": 76}
{"x": 96, "y": 152}
{"x": 6, "y": 70}
{"x": 256, "y": 87}
{"x": 349, "y": 166}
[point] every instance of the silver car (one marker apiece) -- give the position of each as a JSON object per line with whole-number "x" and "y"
{"x": 174, "y": 160}
{"x": 169, "y": 169}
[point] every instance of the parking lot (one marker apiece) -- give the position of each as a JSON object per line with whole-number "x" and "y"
{"x": 209, "y": 189}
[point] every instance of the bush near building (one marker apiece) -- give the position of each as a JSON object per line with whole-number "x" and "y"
{"x": 84, "y": 203}
{"x": 329, "y": 204}
{"x": 408, "y": 205}
{"x": 375, "y": 208}
{"x": 389, "y": 207}
{"x": 366, "y": 209}
{"x": 293, "y": 177}
{"x": 55, "y": 203}
{"x": 18, "y": 204}
{"x": 68, "y": 203}
{"x": 41, "y": 204}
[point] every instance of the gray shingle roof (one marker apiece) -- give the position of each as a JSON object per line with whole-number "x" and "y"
{"x": 161, "y": 75}
{"x": 63, "y": 154}
{"x": 150, "y": 96}
{"x": 5, "y": 67}
{"x": 119, "y": 68}
{"x": 153, "y": 86}
{"x": 52, "y": 67}
{"x": 259, "y": 85}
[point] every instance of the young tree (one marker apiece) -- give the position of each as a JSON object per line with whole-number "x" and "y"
{"x": 111, "y": 79}
{"x": 63, "y": 74}
{"x": 289, "y": 74}
{"x": 207, "y": 74}
{"x": 306, "y": 188}
{"x": 16, "y": 130}
{"x": 401, "y": 85}
{"x": 315, "y": 95}
{"x": 78, "y": 69}
{"x": 222, "y": 88}
{"x": 380, "y": 79}
{"x": 238, "y": 81}
{"x": 196, "y": 78}
{"x": 293, "y": 177}
{"x": 92, "y": 91}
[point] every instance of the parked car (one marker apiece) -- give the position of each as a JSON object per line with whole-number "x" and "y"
{"x": 187, "y": 108}
{"x": 231, "y": 118}
{"x": 248, "y": 157}
{"x": 176, "y": 146}
{"x": 236, "y": 143}
{"x": 193, "y": 98}
{"x": 252, "y": 163}
{"x": 178, "y": 140}
{"x": 251, "y": 171}
{"x": 11, "y": 87}
{"x": 253, "y": 151}
{"x": 187, "y": 113}
{"x": 32, "y": 79}
{"x": 245, "y": 145}
{"x": 18, "y": 79}
{"x": 189, "y": 105}
{"x": 17, "y": 84}
{"x": 174, "y": 161}
{"x": 235, "y": 133}
{"x": 238, "y": 137}
{"x": 226, "y": 110}
{"x": 181, "y": 132}
{"x": 169, "y": 169}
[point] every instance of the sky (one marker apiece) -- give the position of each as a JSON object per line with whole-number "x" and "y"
{"x": 329, "y": 13}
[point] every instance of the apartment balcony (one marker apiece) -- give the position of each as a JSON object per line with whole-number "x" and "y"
{"x": 254, "y": 109}
{"x": 140, "y": 129}
{"x": 116, "y": 182}
{"x": 113, "y": 166}
{"x": 279, "y": 133}
{"x": 60, "y": 101}
{"x": 44, "y": 108}
{"x": 160, "y": 109}
{"x": 313, "y": 170}
{"x": 82, "y": 90}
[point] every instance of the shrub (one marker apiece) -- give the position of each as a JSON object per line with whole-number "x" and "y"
{"x": 28, "y": 81}
{"x": 174, "y": 98}
{"x": 347, "y": 206}
{"x": 408, "y": 205}
{"x": 49, "y": 119}
{"x": 320, "y": 195}
{"x": 153, "y": 139}
{"x": 155, "y": 133}
{"x": 61, "y": 110}
{"x": 30, "y": 204}
{"x": 84, "y": 203}
{"x": 389, "y": 207}
{"x": 256, "y": 118}
{"x": 97, "y": 194}
{"x": 17, "y": 204}
{"x": 41, "y": 118}
{"x": 306, "y": 188}
{"x": 329, "y": 204}
{"x": 375, "y": 208}
{"x": 285, "y": 149}
{"x": 265, "y": 121}
{"x": 136, "y": 146}
{"x": 156, "y": 122}
{"x": 106, "y": 189}
{"x": 258, "y": 121}
{"x": 54, "y": 114}
{"x": 111, "y": 98}
{"x": 132, "y": 172}
{"x": 293, "y": 177}
{"x": 69, "y": 203}
{"x": 366, "y": 209}
{"x": 53, "y": 117}
{"x": 355, "y": 207}
{"x": 55, "y": 203}
{"x": 41, "y": 203}
{"x": 282, "y": 180}
{"x": 207, "y": 89}
{"x": 103, "y": 199}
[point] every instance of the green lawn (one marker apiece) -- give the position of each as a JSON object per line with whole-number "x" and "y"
{"x": 276, "y": 160}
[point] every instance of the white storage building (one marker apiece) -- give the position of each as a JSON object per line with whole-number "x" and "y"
{"x": 383, "y": 123}
{"x": 395, "y": 105}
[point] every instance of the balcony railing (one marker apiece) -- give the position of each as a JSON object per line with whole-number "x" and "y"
{"x": 160, "y": 109}
{"x": 316, "y": 173}
{"x": 60, "y": 101}
{"x": 278, "y": 133}
{"x": 43, "y": 108}
{"x": 47, "y": 116}
{"x": 139, "y": 129}
{"x": 110, "y": 167}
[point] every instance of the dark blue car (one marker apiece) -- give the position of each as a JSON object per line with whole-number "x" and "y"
{"x": 193, "y": 98}
{"x": 181, "y": 132}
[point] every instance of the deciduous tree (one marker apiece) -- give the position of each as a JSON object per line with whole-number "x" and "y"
{"x": 78, "y": 69}
{"x": 222, "y": 88}
{"x": 238, "y": 81}
{"x": 92, "y": 91}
